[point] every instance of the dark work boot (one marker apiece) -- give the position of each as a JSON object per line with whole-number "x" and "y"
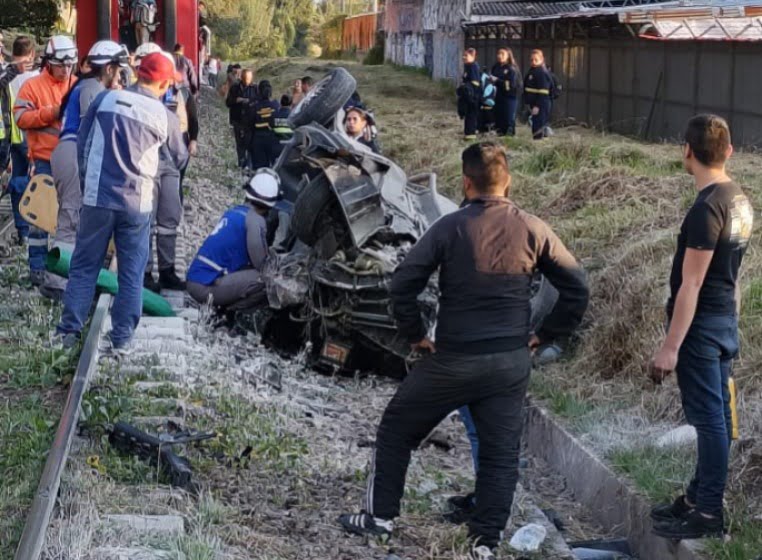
{"x": 693, "y": 525}
{"x": 168, "y": 280}
{"x": 150, "y": 284}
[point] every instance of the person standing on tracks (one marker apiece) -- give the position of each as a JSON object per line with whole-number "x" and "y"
{"x": 168, "y": 198}
{"x": 263, "y": 137}
{"x": 38, "y": 112}
{"x": 241, "y": 97}
{"x": 702, "y": 312}
{"x": 486, "y": 254}
{"x": 106, "y": 61}
{"x": 188, "y": 74}
{"x": 538, "y": 89}
{"x": 118, "y": 151}
{"x": 228, "y": 267}
{"x": 18, "y": 71}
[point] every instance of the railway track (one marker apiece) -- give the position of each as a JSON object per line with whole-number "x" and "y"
{"x": 151, "y": 329}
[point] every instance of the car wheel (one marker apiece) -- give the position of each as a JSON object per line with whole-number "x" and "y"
{"x": 324, "y": 100}
{"x": 313, "y": 210}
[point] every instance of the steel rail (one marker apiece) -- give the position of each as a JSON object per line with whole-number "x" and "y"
{"x": 35, "y": 529}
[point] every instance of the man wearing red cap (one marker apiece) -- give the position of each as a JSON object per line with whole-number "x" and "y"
{"x": 118, "y": 150}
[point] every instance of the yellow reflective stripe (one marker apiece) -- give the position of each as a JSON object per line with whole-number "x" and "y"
{"x": 476, "y": 83}
{"x": 538, "y": 91}
{"x": 262, "y": 125}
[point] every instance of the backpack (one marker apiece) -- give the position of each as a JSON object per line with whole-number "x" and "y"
{"x": 557, "y": 88}
{"x": 488, "y": 91}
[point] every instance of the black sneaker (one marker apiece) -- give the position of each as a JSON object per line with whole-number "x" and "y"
{"x": 365, "y": 524}
{"x": 670, "y": 512}
{"x": 150, "y": 284}
{"x": 693, "y": 525}
{"x": 168, "y": 280}
{"x": 460, "y": 509}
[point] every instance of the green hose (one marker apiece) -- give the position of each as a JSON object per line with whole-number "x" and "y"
{"x": 58, "y": 262}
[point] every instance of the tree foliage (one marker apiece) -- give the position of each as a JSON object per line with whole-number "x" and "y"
{"x": 249, "y": 28}
{"x": 38, "y": 17}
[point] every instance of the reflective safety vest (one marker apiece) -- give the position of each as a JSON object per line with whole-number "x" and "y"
{"x": 224, "y": 251}
{"x": 282, "y": 129}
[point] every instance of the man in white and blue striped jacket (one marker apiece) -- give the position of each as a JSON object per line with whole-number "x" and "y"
{"x": 118, "y": 151}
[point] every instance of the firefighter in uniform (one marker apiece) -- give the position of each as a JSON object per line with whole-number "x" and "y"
{"x": 505, "y": 75}
{"x": 282, "y": 129}
{"x": 538, "y": 87}
{"x": 263, "y": 137}
{"x": 472, "y": 81}
{"x": 228, "y": 267}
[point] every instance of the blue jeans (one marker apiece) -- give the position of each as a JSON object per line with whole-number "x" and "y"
{"x": 38, "y": 239}
{"x": 130, "y": 231}
{"x": 468, "y": 422}
{"x": 703, "y": 368}
{"x": 17, "y": 185}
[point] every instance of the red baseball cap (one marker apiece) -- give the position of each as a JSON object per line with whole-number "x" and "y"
{"x": 157, "y": 68}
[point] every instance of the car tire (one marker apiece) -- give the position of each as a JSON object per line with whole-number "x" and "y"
{"x": 311, "y": 210}
{"x": 324, "y": 99}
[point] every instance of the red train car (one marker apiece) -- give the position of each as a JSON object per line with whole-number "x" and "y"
{"x": 177, "y": 22}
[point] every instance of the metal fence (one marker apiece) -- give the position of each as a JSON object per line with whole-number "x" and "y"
{"x": 622, "y": 83}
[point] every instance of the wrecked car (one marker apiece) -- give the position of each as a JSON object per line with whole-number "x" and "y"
{"x": 354, "y": 215}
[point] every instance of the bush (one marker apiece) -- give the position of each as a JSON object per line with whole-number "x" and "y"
{"x": 375, "y": 56}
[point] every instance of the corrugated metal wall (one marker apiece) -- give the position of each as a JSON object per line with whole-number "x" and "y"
{"x": 645, "y": 87}
{"x": 359, "y": 32}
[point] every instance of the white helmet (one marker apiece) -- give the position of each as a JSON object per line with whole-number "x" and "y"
{"x": 60, "y": 49}
{"x": 145, "y": 49}
{"x": 264, "y": 187}
{"x": 108, "y": 52}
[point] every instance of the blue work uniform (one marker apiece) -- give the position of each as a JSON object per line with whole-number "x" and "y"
{"x": 224, "y": 251}
{"x": 283, "y": 131}
{"x": 506, "y": 98}
{"x": 538, "y": 87}
{"x": 118, "y": 152}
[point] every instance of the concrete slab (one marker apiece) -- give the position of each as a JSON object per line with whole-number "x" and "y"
{"x": 162, "y": 524}
{"x": 131, "y": 553}
{"x": 613, "y": 502}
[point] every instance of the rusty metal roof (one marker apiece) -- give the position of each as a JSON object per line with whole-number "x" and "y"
{"x": 523, "y": 9}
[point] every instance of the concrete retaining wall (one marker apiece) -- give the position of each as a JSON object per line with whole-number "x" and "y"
{"x": 614, "y": 504}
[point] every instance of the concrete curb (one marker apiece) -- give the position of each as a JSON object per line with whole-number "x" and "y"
{"x": 613, "y": 502}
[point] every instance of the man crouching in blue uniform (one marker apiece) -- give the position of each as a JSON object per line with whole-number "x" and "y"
{"x": 228, "y": 267}
{"x": 118, "y": 151}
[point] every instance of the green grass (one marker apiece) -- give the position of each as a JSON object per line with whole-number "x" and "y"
{"x": 657, "y": 473}
{"x": 745, "y": 539}
{"x": 26, "y": 432}
{"x": 559, "y": 401}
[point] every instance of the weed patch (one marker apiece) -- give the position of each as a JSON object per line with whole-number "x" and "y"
{"x": 658, "y": 473}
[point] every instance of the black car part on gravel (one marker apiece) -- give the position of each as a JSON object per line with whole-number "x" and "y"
{"x": 324, "y": 100}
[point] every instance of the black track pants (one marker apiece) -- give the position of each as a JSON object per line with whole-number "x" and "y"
{"x": 494, "y": 387}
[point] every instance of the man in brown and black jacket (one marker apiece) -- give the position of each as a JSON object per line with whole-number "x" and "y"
{"x": 486, "y": 254}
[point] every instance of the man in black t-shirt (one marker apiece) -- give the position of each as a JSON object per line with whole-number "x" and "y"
{"x": 702, "y": 339}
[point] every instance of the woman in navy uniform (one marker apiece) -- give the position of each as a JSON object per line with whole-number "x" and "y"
{"x": 538, "y": 87}
{"x": 471, "y": 80}
{"x": 507, "y": 77}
